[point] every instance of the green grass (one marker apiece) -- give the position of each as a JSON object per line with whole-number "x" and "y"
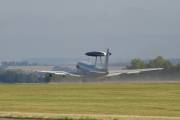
{"x": 158, "y": 99}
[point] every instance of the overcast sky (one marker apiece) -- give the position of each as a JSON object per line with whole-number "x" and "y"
{"x": 68, "y": 28}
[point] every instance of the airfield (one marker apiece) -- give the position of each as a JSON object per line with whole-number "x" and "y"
{"x": 145, "y": 96}
{"x": 91, "y": 101}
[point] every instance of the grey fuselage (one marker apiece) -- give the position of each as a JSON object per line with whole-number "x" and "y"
{"x": 90, "y": 70}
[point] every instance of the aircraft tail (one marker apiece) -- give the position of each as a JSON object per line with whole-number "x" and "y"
{"x": 106, "y": 60}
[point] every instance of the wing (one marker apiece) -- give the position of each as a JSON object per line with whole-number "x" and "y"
{"x": 134, "y": 71}
{"x": 61, "y": 73}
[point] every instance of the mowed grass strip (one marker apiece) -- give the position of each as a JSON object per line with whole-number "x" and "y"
{"x": 158, "y": 99}
{"x": 52, "y": 116}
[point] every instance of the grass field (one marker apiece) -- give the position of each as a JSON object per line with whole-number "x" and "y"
{"x": 144, "y": 99}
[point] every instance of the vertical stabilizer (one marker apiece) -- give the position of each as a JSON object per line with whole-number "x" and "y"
{"x": 106, "y": 60}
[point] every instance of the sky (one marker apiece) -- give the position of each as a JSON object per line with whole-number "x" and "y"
{"x": 69, "y": 28}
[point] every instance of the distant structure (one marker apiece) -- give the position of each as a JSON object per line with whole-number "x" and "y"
{"x": 16, "y": 63}
{"x": 24, "y": 66}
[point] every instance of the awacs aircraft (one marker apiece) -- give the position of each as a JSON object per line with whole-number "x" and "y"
{"x": 88, "y": 70}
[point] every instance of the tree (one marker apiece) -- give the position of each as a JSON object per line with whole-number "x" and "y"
{"x": 159, "y": 62}
{"x": 137, "y": 64}
{"x": 177, "y": 66}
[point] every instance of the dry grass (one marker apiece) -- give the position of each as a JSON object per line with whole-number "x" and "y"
{"x": 101, "y": 101}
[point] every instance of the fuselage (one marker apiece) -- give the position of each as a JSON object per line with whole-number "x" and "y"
{"x": 93, "y": 70}
{"x": 88, "y": 69}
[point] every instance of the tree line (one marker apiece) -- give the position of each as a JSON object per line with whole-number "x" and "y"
{"x": 7, "y": 76}
{"x": 158, "y": 62}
